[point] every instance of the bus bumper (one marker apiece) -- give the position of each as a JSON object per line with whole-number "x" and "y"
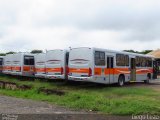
{"x": 40, "y": 75}
{"x": 16, "y": 73}
{"x": 55, "y": 77}
{"x": 6, "y": 72}
{"x": 80, "y": 78}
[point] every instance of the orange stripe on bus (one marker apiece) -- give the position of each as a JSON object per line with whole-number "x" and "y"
{"x": 1, "y": 68}
{"x": 7, "y": 67}
{"x": 97, "y": 71}
{"x": 107, "y": 71}
{"x": 121, "y": 70}
{"x": 116, "y": 71}
{"x": 16, "y": 68}
{"x": 40, "y": 69}
{"x": 28, "y": 68}
{"x": 79, "y": 70}
{"x": 143, "y": 71}
{"x": 53, "y": 69}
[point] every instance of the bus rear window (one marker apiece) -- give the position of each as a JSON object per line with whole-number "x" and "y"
{"x": 28, "y": 60}
{"x": 1, "y": 61}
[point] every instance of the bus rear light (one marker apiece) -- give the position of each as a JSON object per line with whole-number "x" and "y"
{"x": 90, "y": 72}
{"x": 67, "y": 70}
{"x": 62, "y": 70}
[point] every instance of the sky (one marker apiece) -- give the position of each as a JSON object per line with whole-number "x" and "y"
{"x": 59, "y": 24}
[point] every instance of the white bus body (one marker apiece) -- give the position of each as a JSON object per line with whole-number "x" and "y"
{"x": 23, "y": 64}
{"x": 40, "y": 67}
{"x": 56, "y": 64}
{"x": 1, "y": 63}
{"x": 108, "y": 66}
{"x": 7, "y": 64}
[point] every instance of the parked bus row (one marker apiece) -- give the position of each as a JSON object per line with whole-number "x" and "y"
{"x": 81, "y": 64}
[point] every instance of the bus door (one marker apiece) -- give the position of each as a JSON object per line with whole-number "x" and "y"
{"x": 155, "y": 69}
{"x": 133, "y": 69}
{"x": 110, "y": 66}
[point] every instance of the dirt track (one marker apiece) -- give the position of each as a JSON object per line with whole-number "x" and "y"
{"x": 23, "y": 106}
{"x": 155, "y": 84}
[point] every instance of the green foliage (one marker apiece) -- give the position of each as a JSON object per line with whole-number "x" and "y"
{"x": 11, "y": 52}
{"x": 2, "y": 54}
{"x": 36, "y": 51}
{"x": 92, "y": 97}
{"x": 146, "y": 51}
{"x": 140, "y": 52}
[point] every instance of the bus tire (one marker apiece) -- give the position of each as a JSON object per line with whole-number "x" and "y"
{"x": 148, "y": 78}
{"x": 121, "y": 80}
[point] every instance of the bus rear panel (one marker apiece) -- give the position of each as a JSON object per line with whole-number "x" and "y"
{"x": 7, "y": 65}
{"x": 40, "y": 67}
{"x": 56, "y": 64}
{"x": 80, "y": 64}
{"x": 23, "y": 64}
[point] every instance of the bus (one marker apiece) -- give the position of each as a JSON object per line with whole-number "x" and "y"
{"x": 7, "y": 64}
{"x": 56, "y": 64}
{"x": 40, "y": 67}
{"x": 23, "y": 64}
{"x": 108, "y": 66}
{"x": 1, "y": 63}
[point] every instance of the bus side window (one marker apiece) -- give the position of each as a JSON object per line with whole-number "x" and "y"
{"x": 99, "y": 58}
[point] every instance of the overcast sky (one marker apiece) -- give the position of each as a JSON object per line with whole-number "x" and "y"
{"x": 52, "y": 24}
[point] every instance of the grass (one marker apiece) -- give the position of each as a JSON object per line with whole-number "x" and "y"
{"x": 110, "y": 100}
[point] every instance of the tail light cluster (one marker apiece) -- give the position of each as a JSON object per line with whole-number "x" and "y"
{"x": 90, "y": 72}
{"x": 67, "y": 70}
{"x": 62, "y": 71}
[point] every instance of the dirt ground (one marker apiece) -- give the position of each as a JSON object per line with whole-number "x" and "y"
{"x": 155, "y": 84}
{"x": 24, "y": 106}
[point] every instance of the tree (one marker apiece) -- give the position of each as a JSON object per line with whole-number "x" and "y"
{"x": 2, "y": 54}
{"x": 141, "y": 52}
{"x": 11, "y": 52}
{"x": 36, "y": 51}
{"x": 131, "y": 51}
{"x": 146, "y": 51}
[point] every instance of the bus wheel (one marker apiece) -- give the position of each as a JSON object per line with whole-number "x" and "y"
{"x": 148, "y": 79}
{"x": 121, "y": 80}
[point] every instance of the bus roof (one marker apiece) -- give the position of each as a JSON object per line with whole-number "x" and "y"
{"x": 2, "y": 56}
{"x": 24, "y": 53}
{"x": 115, "y": 51}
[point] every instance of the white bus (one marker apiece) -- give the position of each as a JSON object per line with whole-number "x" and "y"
{"x": 1, "y": 63}
{"x": 40, "y": 67}
{"x": 56, "y": 64}
{"x": 23, "y": 64}
{"x": 7, "y": 64}
{"x": 108, "y": 66}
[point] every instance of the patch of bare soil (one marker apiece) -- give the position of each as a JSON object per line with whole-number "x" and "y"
{"x": 13, "y": 86}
